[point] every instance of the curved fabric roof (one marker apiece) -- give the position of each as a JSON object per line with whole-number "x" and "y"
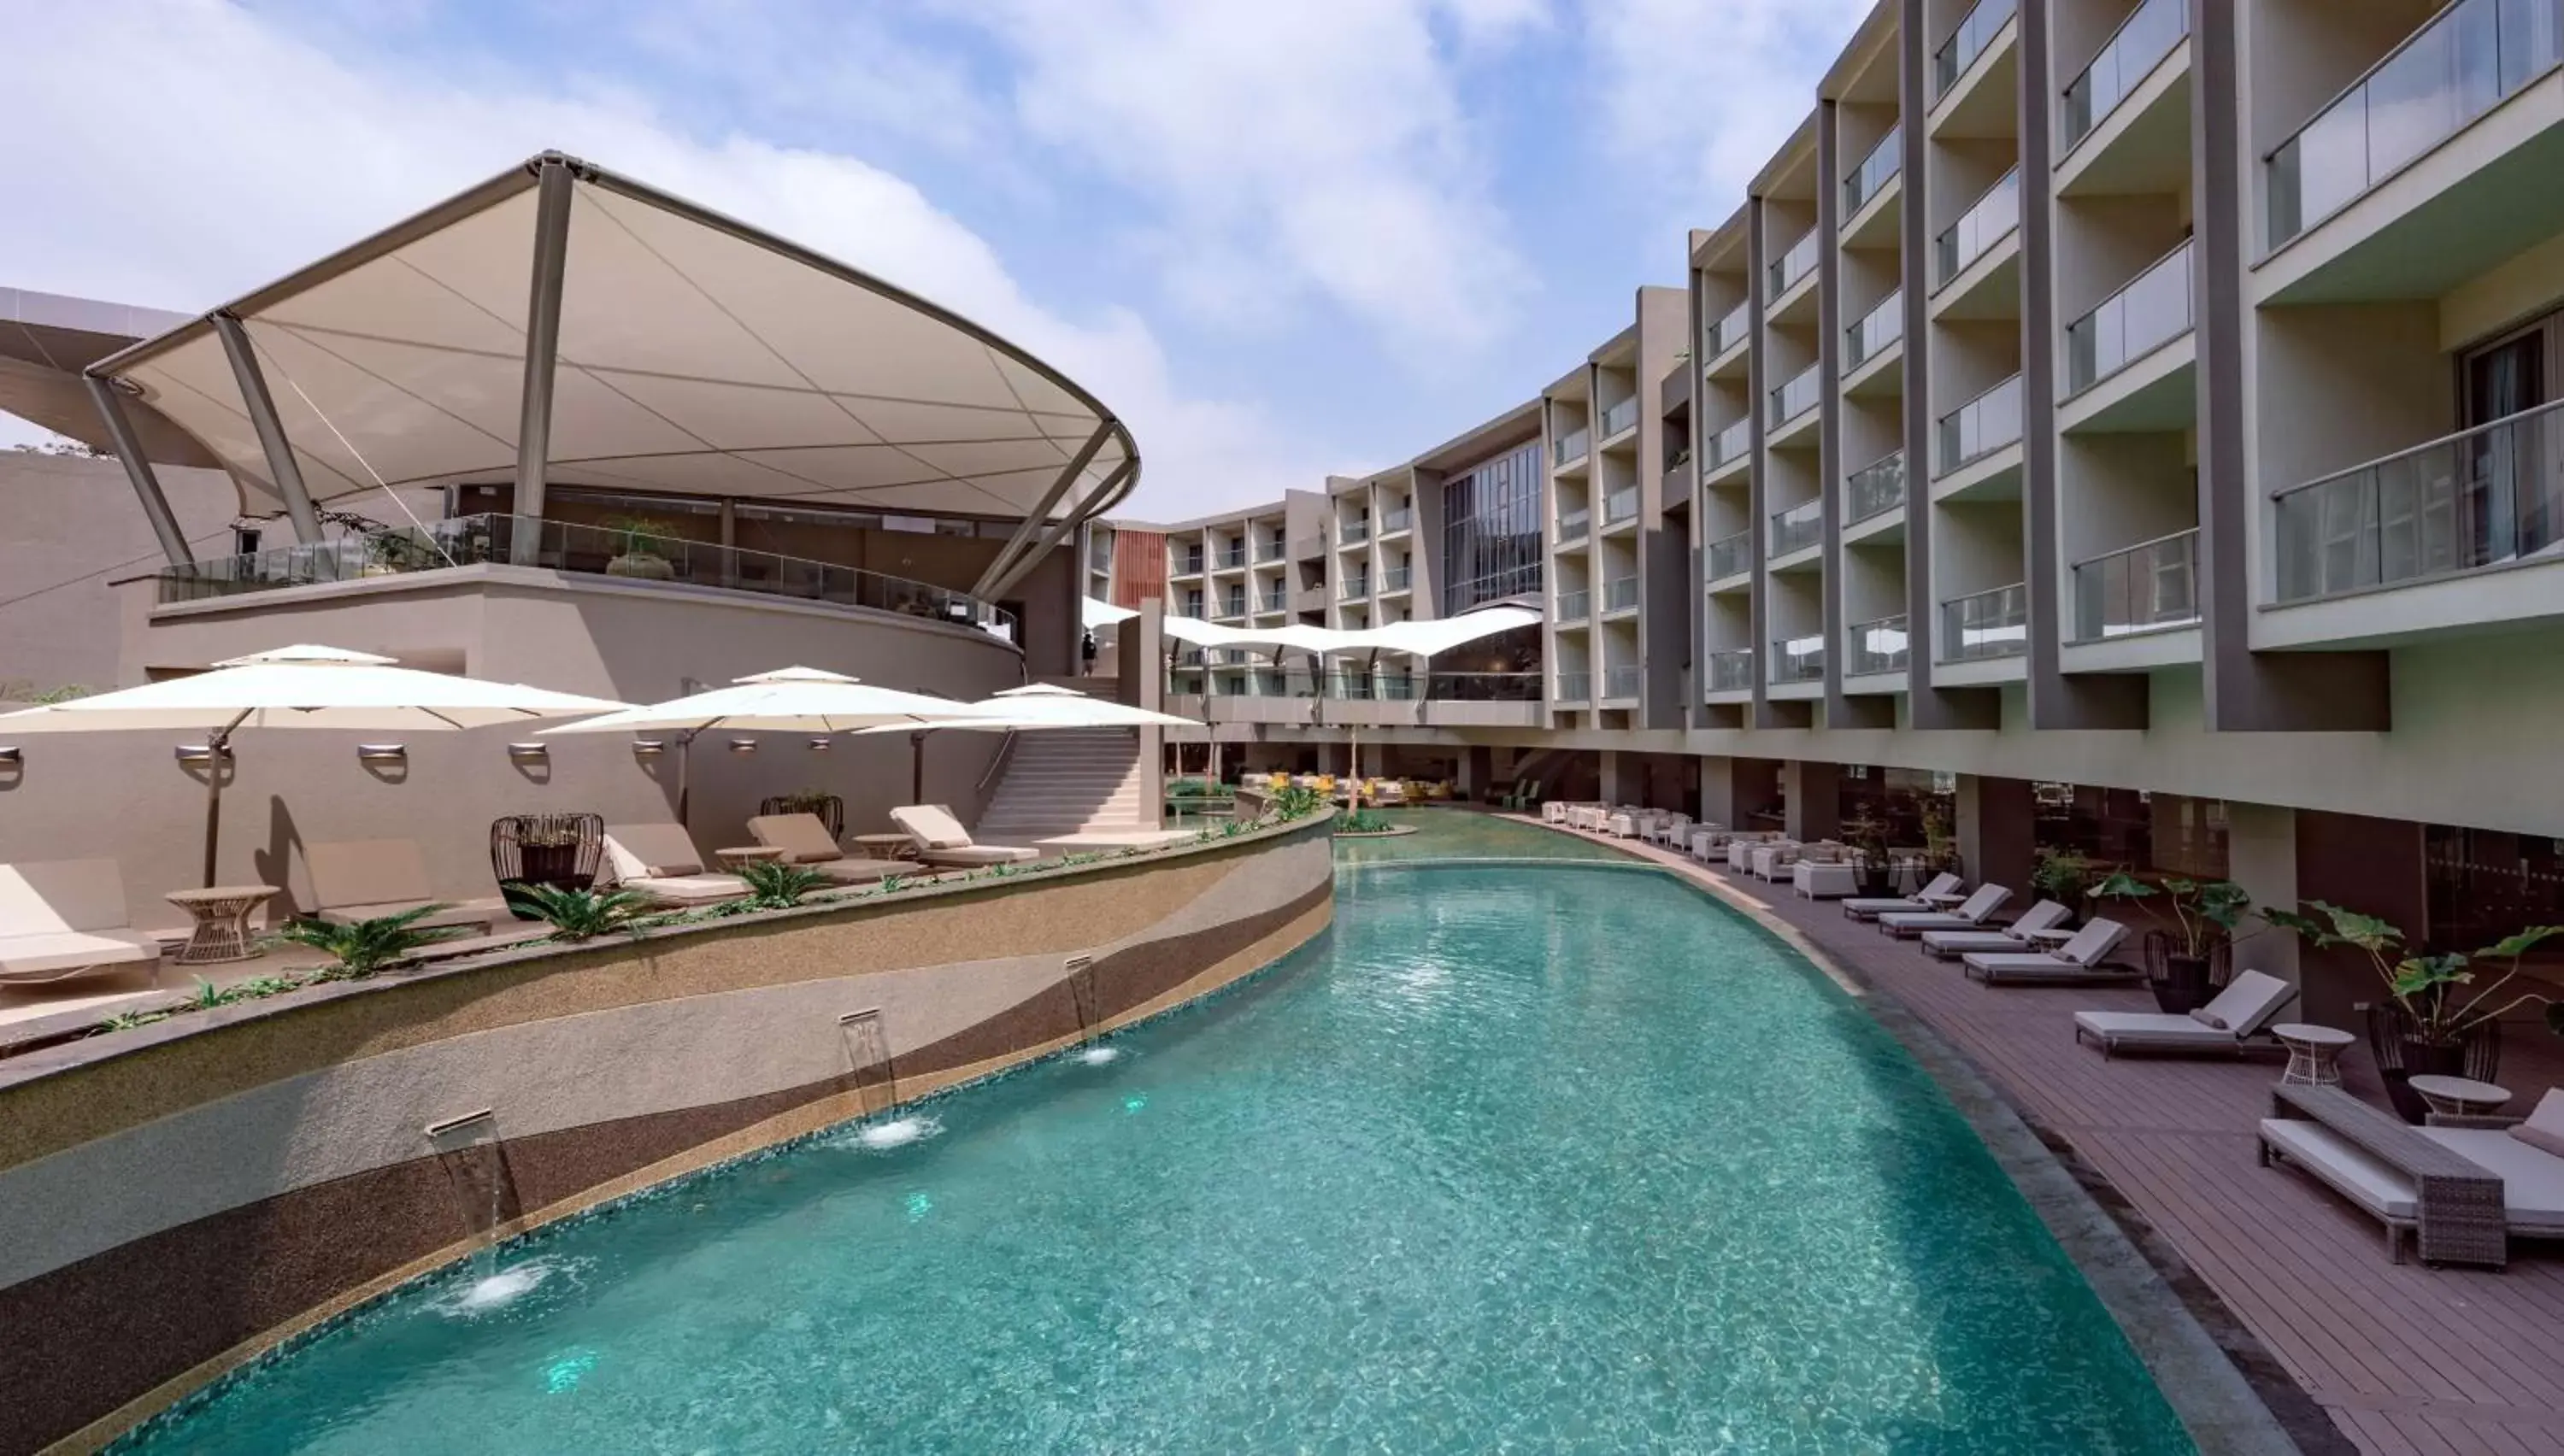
{"x": 698, "y": 355}
{"x": 1425, "y": 638}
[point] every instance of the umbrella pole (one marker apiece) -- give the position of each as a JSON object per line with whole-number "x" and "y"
{"x": 216, "y": 744}
{"x": 685, "y": 777}
{"x": 917, "y": 768}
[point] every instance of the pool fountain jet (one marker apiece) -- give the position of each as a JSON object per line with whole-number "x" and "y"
{"x": 475, "y": 1167}
{"x": 868, "y": 1061}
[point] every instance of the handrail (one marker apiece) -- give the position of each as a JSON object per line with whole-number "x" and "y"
{"x": 2474, "y": 499}
{"x": 2170, "y": 535}
{"x": 1863, "y": 342}
{"x": 1741, "y": 544}
{"x": 2151, "y": 587}
{"x": 1950, "y": 428}
{"x": 997, "y": 764}
{"x": 1719, "y": 342}
{"x": 1948, "y": 263}
{"x": 2381, "y": 462}
{"x": 1947, "y": 65}
{"x": 1866, "y": 180}
{"x": 2177, "y": 12}
{"x": 1732, "y": 441}
{"x": 1789, "y": 266}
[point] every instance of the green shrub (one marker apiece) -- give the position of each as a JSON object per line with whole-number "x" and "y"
{"x": 773, "y": 885}
{"x": 585, "y": 915}
{"x": 1362, "y": 821}
{"x": 360, "y": 950}
{"x": 1298, "y": 802}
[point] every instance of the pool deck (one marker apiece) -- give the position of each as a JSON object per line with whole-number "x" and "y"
{"x": 2400, "y": 1357}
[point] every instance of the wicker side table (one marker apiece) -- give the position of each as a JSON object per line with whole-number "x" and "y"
{"x": 2314, "y": 1053}
{"x": 222, "y": 922}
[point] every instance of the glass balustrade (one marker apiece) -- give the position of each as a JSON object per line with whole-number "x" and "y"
{"x": 1978, "y": 31}
{"x": 1798, "y": 528}
{"x": 2141, "y": 588}
{"x": 1621, "y": 594}
{"x": 1231, "y": 557}
{"x": 1795, "y": 397}
{"x": 1728, "y": 332}
{"x": 1731, "y": 671}
{"x": 1622, "y": 505}
{"x": 1575, "y": 686}
{"x": 1570, "y": 448}
{"x": 1618, "y": 417}
{"x": 1394, "y": 521}
{"x": 1572, "y": 526}
{"x": 1575, "y": 606}
{"x": 1798, "y": 659}
{"x": 1979, "y": 426}
{"x": 1875, "y": 647}
{"x": 1357, "y": 587}
{"x": 2151, "y": 311}
{"x": 2465, "y": 62}
{"x": 1731, "y": 443}
{"x": 2476, "y": 498}
{"x": 1622, "y": 680}
{"x": 1988, "y": 624}
{"x": 1730, "y": 557}
{"x": 1877, "y": 328}
{"x": 1395, "y": 579}
{"x": 2142, "y": 41}
{"x": 1875, "y": 488}
{"x": 1277, "y": 601}
{"x": 1353, "y": 532}
{"x": 1991, "y": 219}
{"x": 1794, "y": 264}
{"x": 1867, "y": 179}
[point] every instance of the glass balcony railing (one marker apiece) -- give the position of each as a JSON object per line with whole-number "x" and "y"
{"x": 1798, "y": 528}
{"x": 1353, "y": 532}
{"x": 1991, "y": 219}
{"x": 1622, "y": 505}
{"x": 1796, "y": 263}
{"x": 1575, "y": 686}
{"x": 1189, "y": 564}
{"x": 2141, "y": 588}
{"x": 1232, "y": 609}
{"x": 1730, "y": 557}
{"x": 1731, "y": 671}
{"x": 1572, "y": 526}
{"x": 2463, "y": 63}
{"x": 1875, "y": 488}
{"x": 1968, "y": 42}
{"x": 562, "y": 546}
{"x": 1231, "y": 557}
{"x": 1979, "y": 426}
{"x": 1798, "y": 659}
{"x": 1795, "y": 397}
{"x": 1988, "y": 624}
{"x": 1356, "y": 589}
{"x": 1276, "y": 601}
{"x": 1877, "y": 328}
{"x": 1874, "y": 647}
{"x": 1727, "y": 333}
{"x": 1618, "y": 417}
{"x": 1575, "y": 606}
{"x": 1272, "y": 551}
{"x": 1621, "y": 594}
{"x": 2143, "y": 40}
{"x": 1395, "y": 579}
{"x": 2479, "y": 497}
{"x": 1731, "y": 443}
{"x": 1099, "y": 552}
{"x": 1394, "y": 521}
{"x": 2151, "y": 311}
{"x": 1873, "y": 173}
{"x": 1622, "y": 680}
{"x": 1568, "y": 449}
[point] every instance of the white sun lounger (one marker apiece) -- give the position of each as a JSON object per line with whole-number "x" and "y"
{"x": 64, "y": 919}
{"x": 1951, "y": 945}
{"x": 660, "y": 863}
{"x": 355, "y": 879}
{"x": 1971, "y": 915}
{"x": 806, "y": 842}
{"x": 2245, "y": 1008}
{"x": 1943, "y": 892}
{"x": 940, "y": 839}
{"x": 2374, "y": 1164}
{"x": 2077, "y": 962}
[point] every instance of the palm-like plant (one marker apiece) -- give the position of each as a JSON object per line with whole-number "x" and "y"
{"x": 2206, "y": 911}
{"x": 361, "y": 947}
{"x": 2430, "y": 989}
{"x": 773, "y": 885}
{"x": 583, "y": 914}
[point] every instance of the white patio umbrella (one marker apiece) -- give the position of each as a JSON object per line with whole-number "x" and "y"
{"x": 788, "y": 700}
{"x": 1031, "y": 708}
{"x": 301, "y": 687}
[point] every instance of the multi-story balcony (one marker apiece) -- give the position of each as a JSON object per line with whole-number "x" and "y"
{"x": 1356, "y": 587}
{"x": 1273, "y": 548}
{"x": 1575, "y": 606}
{"x": 1868, "y": 180}
{"x": 1570, "y": 448}
{"x": 2477, "y": 498}
{"x": 1575, "y": 686}
{"x": 1731, "y": 670}
{"x": 1622, "y": 680}
{"x": 1795, "y": 397}
{"x": 1727, "y": 333}
{"x": 1978, "y": 428}
{"x": 1732, "y": 556}
{"x": 1394, "y": 521}
{"x": 1393, "y": 580}
{"x": 1876, "y": 329}
{"x": 1233, "y": 608}
{"x": 2142, "y": 41}
{"x": 1275, "y": 601}
{"x": 1798, "y": 659}
{"x": 1619, "y": 417}
{"x": 2148, "y": 587}
{"x": 1794, "y": 264}
{"x": 1572, "y": 526}
{"x": 1731, "y": 443}
{"x": 2468, "y": 60}
{"x": 1878, "y": 645}
{"x": 1233, "y": 556}
{"x": 1798, "y": 528}
{"x": 1965, "y": 43}
{"x": 1353, "y": 532}
{"x": 1621, "y": 594}
{"x": 1620, "y": 506}
{"x": 2151, "y": 311}
{"x": 1985, "y": 624}
{"x": 1188, "y": 562}
{"x": 1992, "y": 218}
{"x": 1876, "y": 488}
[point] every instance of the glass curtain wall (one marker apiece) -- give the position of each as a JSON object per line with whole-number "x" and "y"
{"x": 1491, "y": 531}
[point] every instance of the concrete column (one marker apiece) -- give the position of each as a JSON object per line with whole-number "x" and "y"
{"x": 1815, "y": 798}
{"x": 1477, "y": 771}
{"x": 2261, "y": 856}
{"x": 1734, "y": 791}
{"x": 2373, "y": 866}
{"x": 1614, "y": 791}
{"x": 1144, "y": 685}
{"x": 1998, "y": 831}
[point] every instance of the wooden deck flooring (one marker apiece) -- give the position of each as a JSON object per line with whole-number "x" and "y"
{"x": 2403, "y": 1358}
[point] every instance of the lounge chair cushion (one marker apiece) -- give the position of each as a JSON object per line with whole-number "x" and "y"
{"x": 931, "y": 826}
{"x": 2356, "y": 1175}
{"x": 2208, "y": 1019}
{"x": 2248, "y": 1001}
{"x": 2532, "y": 1183}
{"x": 61, "y": 895}
{"x": 2151, "y": 1028}
{"x": 475, "y": 915}
{"x": 687, "y": 889}
{"x": 651, "y": 851}
{"x": 803, "y": 839}
{"x": 367, "y": 872}
{"x": 980, "y": 854}
{"x": 50, "y": 954}
{"x": 2544, "y": 1130}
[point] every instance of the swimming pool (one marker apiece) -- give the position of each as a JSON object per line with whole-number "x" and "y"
{"x": 1556, "y": 1158}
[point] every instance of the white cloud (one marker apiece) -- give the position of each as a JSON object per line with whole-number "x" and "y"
{"x": 235, "y": 153}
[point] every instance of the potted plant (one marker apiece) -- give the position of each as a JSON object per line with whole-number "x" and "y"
{"x": 638, "y": 541}
{"x": 2436, "y": 1021}
{"x": 1940, "y": 846}
{"x": 388, "y": 553}
{"x": 2063, "y": 875}
{"x": 2185, "y": 966}
{"x": 1872, "y": 875}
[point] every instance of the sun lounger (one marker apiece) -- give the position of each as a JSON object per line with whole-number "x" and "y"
{"x": 1951, "y": 945}
{"x": 2077, "y": 962}
{"x": 1944, "y": 891}
{"x": 660, "y": 863}
{"x": 64, "y": 919}
{"x": 804, "y": 840}
{"x": 940, "y": 839}
{"x": 1971, "y": 915}
{"x": 357, "y": 880}
{"x": 2463, "y": 1191}
{"x": 2238, "y": 1014}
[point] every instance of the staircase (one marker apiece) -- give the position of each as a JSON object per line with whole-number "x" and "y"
{"x": 1064, "y": 781}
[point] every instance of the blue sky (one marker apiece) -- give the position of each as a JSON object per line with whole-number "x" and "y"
{"x": 1281, "y": 239}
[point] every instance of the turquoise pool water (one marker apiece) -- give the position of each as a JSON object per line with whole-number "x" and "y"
{"x": 1542, "y": 1160}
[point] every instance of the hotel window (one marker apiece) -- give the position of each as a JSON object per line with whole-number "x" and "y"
{"x": 1491, "y": 531}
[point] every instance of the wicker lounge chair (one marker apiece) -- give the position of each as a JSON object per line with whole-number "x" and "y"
{"x": 2461, "y": 1186}
{"x": 2246, "y": 1006}
{"x": 2082, "y": 961}
{"x": 1944, "y": 891}
{"x": 65, "y": 919}
{"x": 660, "y": 863}
{"x": 367, "y": 879}
{"x": 940, "y": 839}
{"x": 1972, "y": 914}
{"x": 805, "y": 841}
{"x": 1951, "y": 945}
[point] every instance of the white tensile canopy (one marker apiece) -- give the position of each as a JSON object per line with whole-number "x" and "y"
{"x": 1032, "y": 708}
{"x": 696, "y": 355}
{"x": 301, "y": 687}
{"x": 1425, "y": 639}
{"x": 1093, "y": 614}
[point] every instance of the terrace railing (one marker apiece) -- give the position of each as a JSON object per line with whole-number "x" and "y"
{"x": 1622, "y": 680}
{"x": 1798, "y": 659}
{"x": 1794, "y": 264}
{"x": 1621, "y": 594}
{"x": 1797, "y": 397}
{"x": 1572, "y": 526}
{"x": 1575, "y": 686}
{"x": 2152, "y": 310}
{"x": 2146, "y": 587}
{"x": 1727, "y": 333}
{"x": 2147, "y": 36}
{"x": 1731, "y": 443}
{"x": 1798, "y": 528}
{"x": 1866, "y": 180}
{"x": 2474, "y": 499}
{"x": 1395, "y": 579}
{"x": 1575, "y": 606}
{"x": 1730, "y": 556}
{"x": 1987, "y": 624}
{"x": 1618, "y": 417}
{"x": 1877, "y": 328}
{"x": 1570, "y": 448}
{"x": 1876, "y": 488}
{"x": 1965, "y": 43}
{"x": 1878, "y": 645}
{"x": 1979, "y": 426}
{"x": 1352, "y": 533}
{"x": 1621, "y": 504}
{"x": 1731, "y": 670}
{"x": 1992, "y": 218}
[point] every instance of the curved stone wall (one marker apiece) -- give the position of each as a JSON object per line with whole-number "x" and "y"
{"x": 181, "y": 1195}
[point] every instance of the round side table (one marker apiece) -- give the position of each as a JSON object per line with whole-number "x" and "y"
{"x": 222, "y": 915}
{"x": 884, "y": 846}
{"x": 2314, "y": 1053}
{"x": 747, "y": 854}
{"x": 2459, "y": 1094}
